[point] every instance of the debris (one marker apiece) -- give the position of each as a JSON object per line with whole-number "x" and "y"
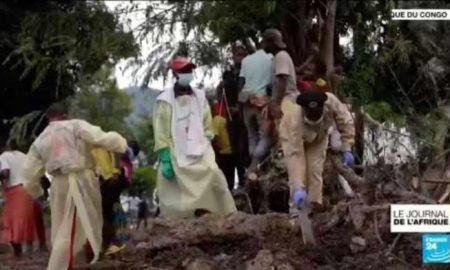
{"x": 358, "y": 240}
{"x": 357, "y": 244}
{"x": 352, "y": 232}
{"x": 262, "y": 261}
{"x": 375, "y": 226}
{"x": 392, "y": 246}
{"x": 346, "y": 187}
{"x": 197, "y": 264}
{"x": 357, "y": 216}
{"x": 302, "y": 219}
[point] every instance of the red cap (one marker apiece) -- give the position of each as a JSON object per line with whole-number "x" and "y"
{"x": 180, "y": 62}
{"x": 304, "y": 85}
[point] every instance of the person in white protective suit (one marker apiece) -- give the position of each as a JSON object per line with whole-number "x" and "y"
{"x": 63, "y": 150}
{"x": 189, "y": 181}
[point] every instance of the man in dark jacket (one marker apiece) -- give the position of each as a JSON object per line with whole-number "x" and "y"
{"x": 228, "y": 92}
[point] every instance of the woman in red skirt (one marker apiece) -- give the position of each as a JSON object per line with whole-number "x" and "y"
{"x": 18, "y": 212}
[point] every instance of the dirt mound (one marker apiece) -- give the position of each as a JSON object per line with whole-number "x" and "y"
{"x": 353, "y": 232}
{"x": 276, "y": 245}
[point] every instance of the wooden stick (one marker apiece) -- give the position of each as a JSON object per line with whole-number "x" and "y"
{"x": 437, "y": 181}
{"x": 403, "y": 261}
{"x": 372, "y": 208}
{"x": 375, "y": 225}
{"x": 346, "y": 187}
{"x": 415, "y": 195}
{"x": 394, "y": 243}
{"x": 445, "y": 195}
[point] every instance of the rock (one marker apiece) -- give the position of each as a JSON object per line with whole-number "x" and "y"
{"x": 262, "y": 261}
{"x": 357, "y": 244}
{"x": 357, "y": 216}
{"x": 285, "y": 267}
{"x": 142, "y": 245}
{"x": 252, "y": 177}
{"x": 222, "y": 257}
{"x": 359, "y": 241}
{"x": 198, "y": 264}
{"x": 415, "y": 182}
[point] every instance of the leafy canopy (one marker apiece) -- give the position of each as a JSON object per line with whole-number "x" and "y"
{"x": 102, "y": 103}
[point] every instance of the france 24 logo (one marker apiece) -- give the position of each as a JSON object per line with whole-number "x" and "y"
{"x": 436, "y": 248}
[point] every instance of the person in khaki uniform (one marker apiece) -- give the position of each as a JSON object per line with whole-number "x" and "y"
{"x": 304, "y": 133}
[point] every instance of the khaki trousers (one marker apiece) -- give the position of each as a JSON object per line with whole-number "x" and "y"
{"x": 315, "y": 155}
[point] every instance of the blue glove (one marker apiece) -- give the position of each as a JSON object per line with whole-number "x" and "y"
{"x": 166, "y": 164}
{"x": 349, "y": 160}
{"x": 299, "y": 196}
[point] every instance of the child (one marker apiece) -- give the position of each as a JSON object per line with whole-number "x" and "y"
{"x": 316, "y": 73}
{"x": 18, "y": 214}
{"x": 120, "y": 223}
{"x": 115, "y": 174}
{"x": 142, "y": 212}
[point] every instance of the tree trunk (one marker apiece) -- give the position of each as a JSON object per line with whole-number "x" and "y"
{"x": 294, "y": 32}
{"x": 327, "y": 39}
{"x": 359, "y": 135}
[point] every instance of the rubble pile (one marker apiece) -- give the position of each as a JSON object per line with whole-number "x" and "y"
{"x": 351, "y": 232}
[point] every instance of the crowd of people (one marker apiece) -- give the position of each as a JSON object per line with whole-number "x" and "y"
{"x": 265, "y": 102}
{"x": 261, "y": 105}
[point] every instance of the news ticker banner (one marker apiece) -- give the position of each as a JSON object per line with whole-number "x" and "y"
{"x": 420, "y": 14}
{"x": 433, "y": 220}
{"x": 420, "y": 218}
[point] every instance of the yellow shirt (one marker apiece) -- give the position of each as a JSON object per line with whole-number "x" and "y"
{"x": 219, "y": 125}
{"x": 104, "y": 163}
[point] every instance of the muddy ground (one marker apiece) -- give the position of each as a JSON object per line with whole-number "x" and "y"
{"x": 275, "y": 247}
{"x": 352, "y": 232}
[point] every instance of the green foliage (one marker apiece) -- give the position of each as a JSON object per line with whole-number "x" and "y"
{"x": 48, "y": 49}
{"x": 72, "y": 44}
{"x": 359, "y": 83}
{"x": 26, "y": 127}
{"x": 144, "y": 180}
{"x": 143, "y": 133}
{"x": 236, "y": 20}
{"x": 383, "y": 112}
{"x": 432, "y": 130}
{"x": 101, "y": 103}
{"x": 208, "y": 27}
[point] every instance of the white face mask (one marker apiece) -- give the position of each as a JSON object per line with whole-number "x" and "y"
{"x": 183, "y": 100}
{"x": 313, "y": 123}
{"x": 184, "y": 79}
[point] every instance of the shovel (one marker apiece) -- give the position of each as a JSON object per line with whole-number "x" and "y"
{"x": 301, "y": 216}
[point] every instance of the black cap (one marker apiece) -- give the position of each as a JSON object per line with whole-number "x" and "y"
{"x": 57, "y": 109}
{"x": 312, "y": 99}
{"x": 274, "y": 36}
